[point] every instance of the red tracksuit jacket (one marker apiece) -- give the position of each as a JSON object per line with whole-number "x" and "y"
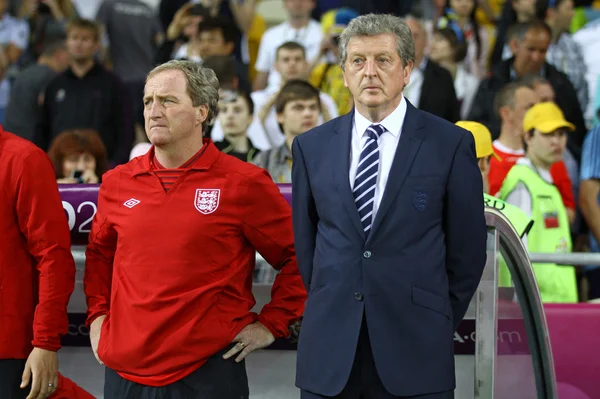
{"x": 37, "y": 271}
{"x": 173, "y": 270}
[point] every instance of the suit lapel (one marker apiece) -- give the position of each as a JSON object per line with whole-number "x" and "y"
{"x": 408, "y": 146}
{"x": 340, "y": 153}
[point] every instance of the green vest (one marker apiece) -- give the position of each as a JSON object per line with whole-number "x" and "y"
{"x": 519, "y": 219}
{"x": 550, "y": 233}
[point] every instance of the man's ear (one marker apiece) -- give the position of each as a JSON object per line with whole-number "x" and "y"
{"x": 201, "y": 114}
{"x": 504, "y": 112}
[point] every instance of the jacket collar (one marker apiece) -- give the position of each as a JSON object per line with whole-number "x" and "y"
{"x": 209, "y": 156}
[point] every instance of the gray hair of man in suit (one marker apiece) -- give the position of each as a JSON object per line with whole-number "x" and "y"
{"x": 378, "y": 24}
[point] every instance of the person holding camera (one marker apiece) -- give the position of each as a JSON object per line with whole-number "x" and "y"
{"x": 78, "y": 156}
{"x": 328, "y": 76}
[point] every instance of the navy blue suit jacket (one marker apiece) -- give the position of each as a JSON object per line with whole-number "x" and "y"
{"x": 415, "y": 274}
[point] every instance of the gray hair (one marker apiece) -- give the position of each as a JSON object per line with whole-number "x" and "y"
{"x": 202, "y": 85}
{"x": 379, "y": 24}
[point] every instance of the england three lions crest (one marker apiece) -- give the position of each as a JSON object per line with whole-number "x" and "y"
{"x": 207, "y": 200}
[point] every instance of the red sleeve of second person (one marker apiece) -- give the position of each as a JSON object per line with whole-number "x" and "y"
{"x": 560, "y": 175}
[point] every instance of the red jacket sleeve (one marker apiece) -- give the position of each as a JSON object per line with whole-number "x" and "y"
{"x": 42, "y": 221}
{"x": 99, "y": 257}
{"x": 560, "y": 175}
{"x": 267, "y": 224}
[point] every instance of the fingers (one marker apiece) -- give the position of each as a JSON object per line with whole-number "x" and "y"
{"x": 35, "y": 385}
{"x": 54, "y": 382}
{"x": 244, "y": 353}
{"x": 236, "y": 349}
{"x": 26, "y": 377}
{"x": 44, "y": 385}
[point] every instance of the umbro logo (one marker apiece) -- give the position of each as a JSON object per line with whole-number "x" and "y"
{"x": 131, "y": 202}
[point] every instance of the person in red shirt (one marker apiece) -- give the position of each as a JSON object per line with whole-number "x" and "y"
{"x": 171, "y": 254}
{"x": 37, "y": 271}
{"x": 511, "y": 103}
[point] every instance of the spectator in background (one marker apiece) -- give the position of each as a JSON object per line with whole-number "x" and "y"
{"x": 299, "y": 28}
{"x": 235, "y": 115}
{"x": 78, "y": 156}
{"x": 47, "y": 20}
{"x": 529, "y": 186}
{"x": 448, "y": 49}
{"x": 542, "y": 87}
{"x": 530, "y": 43}
{"x": 225, "y": 69}
{"x": 589, "y": 203}
{"x": 241, "y": 12}
{"x": 182, "y": 34}
{"x": 462, "y": 13}
{"x": 14, "y": 37}
{"x": 291, "y": 64}
{"x": 298, "y": 106}
{"x": 134, "y": 34}
{"x": 87, "y": 96}
{"x": 22, "y": 113}
{"x": 327, "y": 76}
{"x": 564, "y": 53}
{"x": 513, "y": 12}
{"x": 431, "y": 87}
{"x": 217, "y": 36}
{"x": 511, "y": 104}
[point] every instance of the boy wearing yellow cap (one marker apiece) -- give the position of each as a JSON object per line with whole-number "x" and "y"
{"x": 484, "y": 151}
{"x": 529, "y": 186}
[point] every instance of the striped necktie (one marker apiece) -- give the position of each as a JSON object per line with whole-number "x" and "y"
{"x": 366, "y": 177}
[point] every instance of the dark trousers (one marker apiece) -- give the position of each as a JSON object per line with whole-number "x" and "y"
{"x": 216, "y": 379}
{"x": 11, "y": 371}
{"x": 364, "y": 381}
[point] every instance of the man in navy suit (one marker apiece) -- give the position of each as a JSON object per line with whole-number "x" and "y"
{"x": 389, "y": 229}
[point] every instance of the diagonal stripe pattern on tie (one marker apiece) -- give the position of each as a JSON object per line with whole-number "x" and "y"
{"x": 366, "y": 176}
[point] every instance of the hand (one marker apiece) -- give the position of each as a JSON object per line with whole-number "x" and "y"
{"x": 43, "y": 366}
{"x": 252, "y": 337}
{"x": 89, "y": 177}
{"x": 179, "y": 20}
{"x": 95, "y": 329}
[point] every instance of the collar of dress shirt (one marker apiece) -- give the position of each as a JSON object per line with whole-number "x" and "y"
{"x": 392, "y": 123}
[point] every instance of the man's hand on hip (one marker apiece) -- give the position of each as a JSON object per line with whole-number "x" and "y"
{"x": 252, "y": 337}
{"x": 95, "y": 329}
{"x": 41, "y": 370}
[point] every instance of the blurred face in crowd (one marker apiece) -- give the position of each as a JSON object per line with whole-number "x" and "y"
{"x": 525, "y": 98}
{"x": 82, "y": 162}
{"x": 463, "y": 8}
{"x": 530, "y": 53}
{"x": 561, "y": 16}
{"x": 81, "y": 44}
{"x": 291, "y": 64}
{"x": 525, "y": 9}
{"x": 546, "y": 149}
{"x": 419, "y": 37}
{"x": 375, "y": 74}
{"x": 441, "y": 50}
{"x": 545, "y": 92}
{"x": 169, "y": 114}
{"x": 213, "y": 43}
{"x": 299, "y": 8}
{"x": 190, "y": 24}
{"x": 299, "y": 116}
{"x": 235, "y": 116}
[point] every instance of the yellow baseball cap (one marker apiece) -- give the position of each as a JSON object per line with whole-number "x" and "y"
{"x": 482, "y": 136}
{"x": 546, "y": 118}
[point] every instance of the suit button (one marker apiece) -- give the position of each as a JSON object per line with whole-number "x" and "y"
{"x": 367, "y": 254}
{"x": 358, "y": 296}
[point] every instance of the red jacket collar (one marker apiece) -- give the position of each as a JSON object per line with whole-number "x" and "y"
{"x": 208, "y": 157}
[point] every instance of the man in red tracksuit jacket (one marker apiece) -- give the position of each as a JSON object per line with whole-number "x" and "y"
{"x": 171, "y": 255}
{"x": 37, "y": 271}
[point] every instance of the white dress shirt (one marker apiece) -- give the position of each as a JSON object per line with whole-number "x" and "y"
{"x": 388, "y": 142}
